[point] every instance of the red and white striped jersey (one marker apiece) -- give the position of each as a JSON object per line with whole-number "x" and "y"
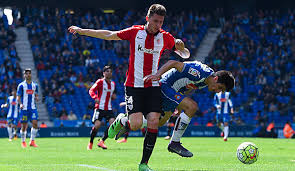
{"x": 145, "y": 52}
{"x": 103, "y": 91}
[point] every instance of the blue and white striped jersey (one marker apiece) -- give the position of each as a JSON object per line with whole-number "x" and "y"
{"x": 192, "y": 76}
{"x": 222, "y": 102}
{"x": 13, "y": 107}
{"x": 27, "y": 93}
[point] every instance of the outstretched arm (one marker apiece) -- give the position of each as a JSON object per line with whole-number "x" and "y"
{"x": 101, "y": 34}
{"x": 166, "y": 67}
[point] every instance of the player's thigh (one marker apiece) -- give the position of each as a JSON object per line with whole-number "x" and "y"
{"x": 97, "y": 115}
{"x": 153, "y": 100}
{"x": 33, "y": 115}
{"x": 188, "y": 104}
{"x": 35, "y": 123}
{"x": 171, "y": 99}
{"x": 135, "y": 100}
{"x": 24, "y": 116}
{"x": 109, "y": 116}
{"x": 165, "y": 118}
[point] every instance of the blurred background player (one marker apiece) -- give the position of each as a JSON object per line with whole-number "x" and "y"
{"x": 12, "y": 115}
{"x": 27, "y": 96}
{"x": 182, "y": 79}
{"x": 223, "y": 103}
{"x": 102, "y": 92}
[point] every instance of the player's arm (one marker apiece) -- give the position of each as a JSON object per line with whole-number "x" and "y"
{"x": 36, "y": 94}
{"x": 216, "y": 102}
{"x": 101, "y": 34}
{"x": 93, "y": 90}
{"x": 19, "y": 92}
{"x": 166, "y": 67}
{"x": 230, "y": 103}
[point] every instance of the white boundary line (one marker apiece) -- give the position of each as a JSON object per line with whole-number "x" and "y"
{"x": 81, "y": 165}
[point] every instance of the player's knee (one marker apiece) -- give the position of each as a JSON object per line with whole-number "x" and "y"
{"x": 153, "y": 122}
{"x": 135, "y": 125}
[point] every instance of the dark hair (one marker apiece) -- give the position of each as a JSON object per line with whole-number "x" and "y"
{"x": 226, "y": 78}
{"x": 156, "y": 9}
{"x": 105, "y": 68}
{"x": 27, "y": 70}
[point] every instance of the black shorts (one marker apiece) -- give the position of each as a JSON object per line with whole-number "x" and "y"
{"x": 100, "y": 114}
{"x": 143, "y": 100}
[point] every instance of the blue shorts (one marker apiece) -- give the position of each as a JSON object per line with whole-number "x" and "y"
{"x": 223, "y": 117}
{"x": 28, "y": 115}
{"x": 12, "y": 120}
{"x": 171, "y": 98}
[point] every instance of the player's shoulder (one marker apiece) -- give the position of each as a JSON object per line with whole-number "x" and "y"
{"x": 165, "y": 33}
{"x": 34, "y": 83}
{"x": 21, "y": 83}
{"x": 137, "y": 27}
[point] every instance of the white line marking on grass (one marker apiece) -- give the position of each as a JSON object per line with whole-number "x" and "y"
{"x": 94, "y": 167}
{"x": 81, "y": 165}
{"x": 292, "y": 160}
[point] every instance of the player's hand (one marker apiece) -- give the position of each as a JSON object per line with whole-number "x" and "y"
{"x": 232, "y": 111}
{"x": 2, "y": 106}
{"x": 21, "y": 106}
{"x": 179, "y": 45}
{"x": 151, "y": 78}
{"x": 122, "y": 104}
{"x": 36, "y": 98}
{"x": 74, "y": 29}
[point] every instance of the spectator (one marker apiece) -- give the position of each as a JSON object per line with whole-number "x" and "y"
{"x": 72, "y": 116}
{"x": 288, "y": 131}
{"x": 43, "y": 125}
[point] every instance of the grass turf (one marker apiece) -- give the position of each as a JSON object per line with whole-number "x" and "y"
{"x": 209, "y": 154}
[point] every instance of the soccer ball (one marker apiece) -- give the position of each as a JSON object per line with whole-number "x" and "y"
{"x": 247, "y": 153}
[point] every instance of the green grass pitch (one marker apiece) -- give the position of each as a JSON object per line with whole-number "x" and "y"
{"x": 209, "y": 154}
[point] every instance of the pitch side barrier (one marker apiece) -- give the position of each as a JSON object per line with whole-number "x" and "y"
{"x": 192, "y": 131}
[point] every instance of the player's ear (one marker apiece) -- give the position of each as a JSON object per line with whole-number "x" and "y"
{"x": 215, "y": 78}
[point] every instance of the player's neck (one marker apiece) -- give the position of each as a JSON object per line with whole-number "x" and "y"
{"x": 29, "y": 81}
{"x": 107, "y": 80}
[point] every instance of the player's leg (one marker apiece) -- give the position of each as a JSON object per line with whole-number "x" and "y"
{"x": 14, "y": 128}
{"x": 219, "y": 120}
{"x": 226, "y": 119}
{"x": 189, "y": 108}
{"x": 135, "y": 105}
{"x": 96, "y": 120}
{"x": 153, "y": 105}
{"x": 110, "y": 118}
{"x": 9, "y": 128}
{"x": 33, "y": 116}
{"x": 24, "y": 126}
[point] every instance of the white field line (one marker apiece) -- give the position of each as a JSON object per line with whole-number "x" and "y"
{"x": 81, "y": 165}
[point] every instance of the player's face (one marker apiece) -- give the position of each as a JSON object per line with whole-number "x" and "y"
{"x": 28, "y": 75}
{"x": 155, "y": 22}
{"x": 216, "y": 87}
{"x": 107, "y": 74}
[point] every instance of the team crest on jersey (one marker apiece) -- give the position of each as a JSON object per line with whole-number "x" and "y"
{"x": 194, "y": 72}
{"x": 177, "y": 97}
{"x": 30, "y": 91}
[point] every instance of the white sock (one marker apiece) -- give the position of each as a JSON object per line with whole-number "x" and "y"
{"x": 33, "y": 133}
{"x": 226, "y": 132}
{"x": 9, "y": 130}
{"x": 23, "y": 135}
{"x": 221, "y": 127}
{"x": 14, "y": 131}
{"x": 124, "y": 120}
{"x": 144, "y": 122}
{"x": 180, "y": 126}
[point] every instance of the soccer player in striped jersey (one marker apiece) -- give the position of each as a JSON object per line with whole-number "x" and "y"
{"x": 223, "y": 103}
{"x": 103, "y": 91}
{"x": 147, "y": 43}
{"x": 27, "y": 96}
{"x": 175, "y": 83}
{"x": 12, "y": 115}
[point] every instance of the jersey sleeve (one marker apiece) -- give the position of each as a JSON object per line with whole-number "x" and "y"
{"x": 20, "y": 90}
{"x": 94, "y": 88}
{"x": 169, "y": 40}
{"x": 216, "y": 101}
{"x": 126, "y": 34}
{"x": 37, "y": 88}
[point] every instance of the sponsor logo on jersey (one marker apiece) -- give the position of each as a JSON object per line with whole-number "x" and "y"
{"x": 223, "y": 99}
{"x": 13, "y": 103}
{"x": 150, "y": 51}
{"x": 30, "y": 91}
